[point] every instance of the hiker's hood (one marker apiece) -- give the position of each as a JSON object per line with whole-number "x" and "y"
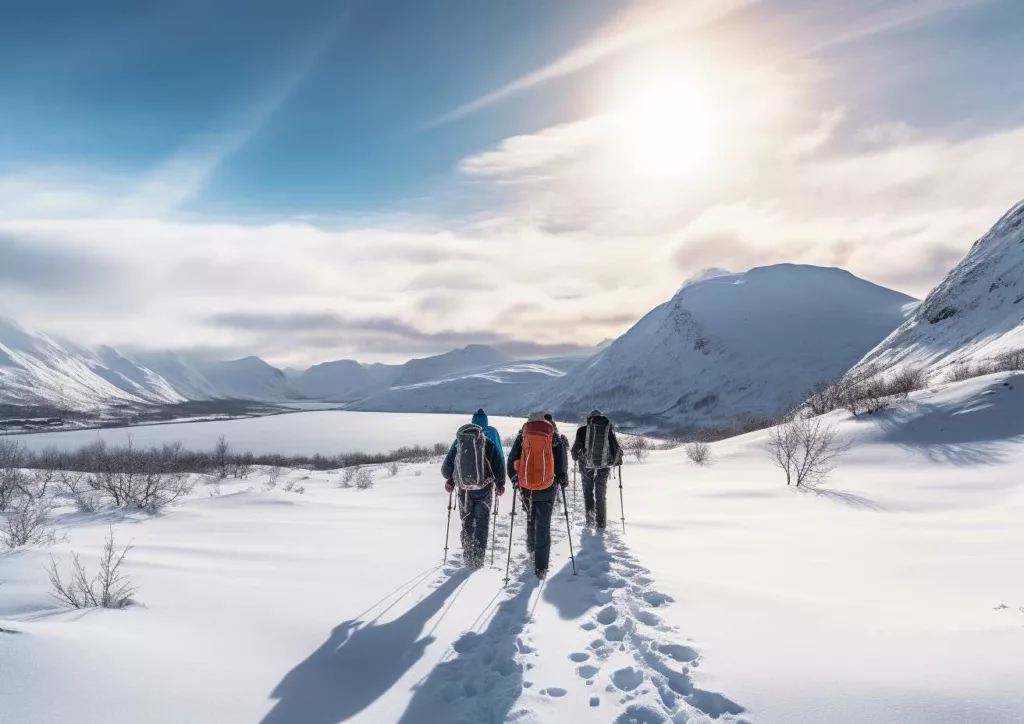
{"x": 480, "y": 418}
{"x": 593, "y": 414}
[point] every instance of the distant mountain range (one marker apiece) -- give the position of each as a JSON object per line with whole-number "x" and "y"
{"x": 726, "y": 346}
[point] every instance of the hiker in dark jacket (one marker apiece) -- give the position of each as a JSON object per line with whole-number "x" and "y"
{"x": 595, "y": 479}
{"x": 540, "y": 503}
{"x": 475, "y": 505}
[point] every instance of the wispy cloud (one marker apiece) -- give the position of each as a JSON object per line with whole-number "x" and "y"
{"x": 641, "y": 24}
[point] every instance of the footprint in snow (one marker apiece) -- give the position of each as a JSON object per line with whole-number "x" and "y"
{"x": 579, "y": 657}
{"x": 628, "y": 678}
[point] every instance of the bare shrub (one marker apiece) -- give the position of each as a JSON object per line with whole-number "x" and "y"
{"x": 1010, "y": 361}
{"x": 508, "y": 441}
{"x": 130, "y": 480}
{"x": 222, "y": 457}
{"x": 301, "y": 489}
{"x": 348, "y": 476}
{"x": 392, "y": 469}
{"x": 907, "y": 380}
{"x": 289, "y": 486}
{"x": 699, "y": 453}
{"x": 806, "y": 449}
{"x": 273, "y": 476}
{"x": 27, "y": 522}
{"x": 110, "y": 587}
{"x": 364, "y": 479}
{"x": 13, "y": 480}
{"x": 963, "y": 370}
{"x": 72, "y": 485}
{"x": 637, "y": 446}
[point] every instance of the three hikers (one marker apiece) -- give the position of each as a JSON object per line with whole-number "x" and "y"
{"x": 596, "y": 450}
{"x": 538, "y": 464}
{"x": 475, "y": 465}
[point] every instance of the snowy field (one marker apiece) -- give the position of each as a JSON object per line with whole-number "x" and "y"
{"x": 328, "y": 432}
{"x": 895, "y": 596}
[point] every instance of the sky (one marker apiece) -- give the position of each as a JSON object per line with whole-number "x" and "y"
{"x": 386, "y": 179}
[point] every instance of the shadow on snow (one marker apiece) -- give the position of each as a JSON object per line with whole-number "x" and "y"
{"x": 357, "y": 664}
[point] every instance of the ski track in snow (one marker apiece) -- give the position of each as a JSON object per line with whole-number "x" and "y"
{"x": 627, "y": 665}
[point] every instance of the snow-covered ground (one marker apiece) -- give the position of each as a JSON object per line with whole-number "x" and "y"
{"x": 894, "y": 596}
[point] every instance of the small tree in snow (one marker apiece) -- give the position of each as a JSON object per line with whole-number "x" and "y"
{"x": 637, "y": 446}
{"x": 364, "y": 479}
{"x": 108, "y": 588}
{"x": 806, "y": 449}
{"x": 699, "y": 453}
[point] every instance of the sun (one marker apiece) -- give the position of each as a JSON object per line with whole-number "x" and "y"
{"x": 664, "y": 129}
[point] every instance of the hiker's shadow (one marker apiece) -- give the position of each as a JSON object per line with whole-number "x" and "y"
{"x": 573, "y": 595}
{"x": 357, "y": 664}
{"x": 484, "y": 680}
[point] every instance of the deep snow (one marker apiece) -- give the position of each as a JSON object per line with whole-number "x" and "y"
{"x": 894, "y": 595}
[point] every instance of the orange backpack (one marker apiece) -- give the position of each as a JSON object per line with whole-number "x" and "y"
{"x": 536, "y": 466}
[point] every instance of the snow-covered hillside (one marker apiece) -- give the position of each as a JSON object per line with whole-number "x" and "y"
{"x": 973, "y": 315}
{"x": 249, "y": 378}
{"x": 39, "y": 370}
{"x": 735, "y": 345}
{"x": 499, "y": 389}
{"x": 892, "y": 596}
{"x": 339, "y": 380}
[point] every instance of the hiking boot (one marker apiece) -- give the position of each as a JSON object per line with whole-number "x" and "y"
{"x": 541, "y": 573}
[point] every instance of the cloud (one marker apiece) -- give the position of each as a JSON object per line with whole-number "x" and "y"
{"x": 641, "y": 24}
{"x": 29, "y": 264}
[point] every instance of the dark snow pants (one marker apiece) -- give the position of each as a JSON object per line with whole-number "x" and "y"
{"x": 539, "y": 504}
{"x": 475, "y": 509}
{"x": 595, "y": 494}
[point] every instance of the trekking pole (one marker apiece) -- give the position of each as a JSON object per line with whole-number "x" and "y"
{"x": 568, "y": 531}
{"x": 494, "y": 533}
{"x": 622, "y": 508}
{"x": 511, "y": 525}
{"x": 448, "y": 530}
{"x": 575, "y": 464}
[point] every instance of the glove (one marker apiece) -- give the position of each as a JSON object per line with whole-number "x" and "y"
{"x": 499, "y": 491}
{"x": 449, "y": 486}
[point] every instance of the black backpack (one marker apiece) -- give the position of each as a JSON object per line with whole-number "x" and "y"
{"x": 471, "y": 458}
{"x": 597, "y": 454}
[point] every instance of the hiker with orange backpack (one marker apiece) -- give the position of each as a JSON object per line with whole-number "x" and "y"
{"x": 537, "y": 465}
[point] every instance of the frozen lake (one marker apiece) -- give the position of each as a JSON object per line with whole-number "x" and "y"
{"x": 327, "y": 432}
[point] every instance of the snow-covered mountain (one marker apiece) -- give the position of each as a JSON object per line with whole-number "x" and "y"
{"x": 40, "y": 370}
{"x": 499, "y": 389}
{"x": 249, "y": 378}
{"x": 338, "y": 381}
{"x": 973, "y": 315}
{"x": 439, "y": 366}
{"x": 729, "y": 346}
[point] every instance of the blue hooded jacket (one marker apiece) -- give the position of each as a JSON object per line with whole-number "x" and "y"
{"x": 480, "y": 419}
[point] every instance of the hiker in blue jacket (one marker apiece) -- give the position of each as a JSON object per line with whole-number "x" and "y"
{"x": 480, "y": 418}
{"x": 475, "y": 504}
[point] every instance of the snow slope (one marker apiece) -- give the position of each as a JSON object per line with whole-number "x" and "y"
{"x": 734, "y": 345}
{"x": 36, "y": 369}
{"x": 975, "y": 313}
{"x": 338, "y": 380}
{"x": 249, "y": 378}
{"x": 498, "y": 389}
{"x": 893, "y": 597}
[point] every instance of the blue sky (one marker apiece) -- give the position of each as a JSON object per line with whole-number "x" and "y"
{"x": 393, "y": 165}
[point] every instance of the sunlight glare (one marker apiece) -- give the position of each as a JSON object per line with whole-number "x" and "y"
{"x": 665, "y": 129}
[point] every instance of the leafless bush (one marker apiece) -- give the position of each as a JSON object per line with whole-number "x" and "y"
{"x": 273, "y": 475}
{"x": 301, "y": 489}
{"x": 392, "y": 469}
{"x": 508, "y": 441}
{"x": 222, "y": 457}
{"x": 13, "y": 480}
{"x": 964, "y": 370}
{"x": 108, "y": 588}
{"x": 348, "y": 476}
{"x": 364, "y": 479}
{"x": 1010, "y": 361}
{"x": 806, "y": 449}
{"x": 637, "y": 446}
{"x": 699, "y": 453}
{"x": 73, "y": 486}
{"x": 128, "y": 480}
{"x": 289, "y": 486}
{"x": 27, "y": 522}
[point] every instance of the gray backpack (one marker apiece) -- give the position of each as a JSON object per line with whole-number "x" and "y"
{"x": 597, "y": 455}
{"x": 471, "y": 458}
